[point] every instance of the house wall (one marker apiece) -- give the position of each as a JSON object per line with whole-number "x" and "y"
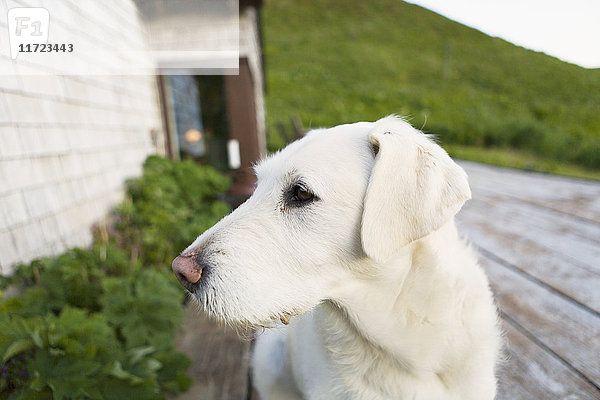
{"x": 67, "y": 143}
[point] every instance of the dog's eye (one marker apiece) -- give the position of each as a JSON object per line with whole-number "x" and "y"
{"x": 301, "y": 194}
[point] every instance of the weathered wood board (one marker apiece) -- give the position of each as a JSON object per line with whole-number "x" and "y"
{"x": 491, "y": 231}
{"x": 562, "y": 326}
{"x": 219, "y": 358}
{"x": 531, "y": 373}
{"x": 539, "y": 241}
{"x": 577, "y": 198}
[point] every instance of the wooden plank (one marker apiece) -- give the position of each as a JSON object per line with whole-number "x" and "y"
{"x": 567, "y": 225}
{"x": 531, "y": 373}
{"x": 491, "y": 229}
{"x": 567, "y": 239}
{"x": 219, "y": 359}
{"x": 566, "y": 329}
{"x": 574, "y": 197}
{"x": 582, "y": 206}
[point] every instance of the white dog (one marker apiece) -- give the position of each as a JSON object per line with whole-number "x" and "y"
{"x": 352, "y": 229}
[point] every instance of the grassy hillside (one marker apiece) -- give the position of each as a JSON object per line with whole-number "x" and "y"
{"x": 337, "y": 61}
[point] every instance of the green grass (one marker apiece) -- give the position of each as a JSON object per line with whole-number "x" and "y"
{"x": 334, "y": 61}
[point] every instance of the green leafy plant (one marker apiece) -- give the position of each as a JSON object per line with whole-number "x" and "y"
{"x": 100, "y": 323}
{"x": 85, "y": 327}
{"x": 166, "y": 209}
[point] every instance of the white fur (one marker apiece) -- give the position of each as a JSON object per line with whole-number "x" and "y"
{"x": 393, "y": 303}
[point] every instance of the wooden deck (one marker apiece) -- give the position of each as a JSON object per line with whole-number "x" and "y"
{"x": 539, "y": 241}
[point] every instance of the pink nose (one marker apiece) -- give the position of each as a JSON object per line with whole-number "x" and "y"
{"x": 187, "y": 270}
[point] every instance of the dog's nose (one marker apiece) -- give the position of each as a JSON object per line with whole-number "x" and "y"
{"x": 187, "y": 270}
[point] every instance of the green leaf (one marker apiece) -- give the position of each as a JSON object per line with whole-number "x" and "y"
{"x": 153, "y": 364}
{"x": 118, "y": 372}
{"x": 17, "y": 347}
{"x": 136, "y": 354}
{"x": 35, "y": 336}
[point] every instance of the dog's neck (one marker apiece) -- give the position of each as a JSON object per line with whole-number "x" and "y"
{"x": 374, "y": 322}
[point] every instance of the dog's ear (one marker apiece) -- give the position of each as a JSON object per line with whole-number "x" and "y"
{"x": 414, "y": 188}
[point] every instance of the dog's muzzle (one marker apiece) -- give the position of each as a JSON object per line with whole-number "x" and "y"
{"x": 188, "y": 271}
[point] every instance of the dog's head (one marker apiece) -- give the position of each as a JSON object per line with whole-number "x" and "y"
{"x": 322, "y": 205}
